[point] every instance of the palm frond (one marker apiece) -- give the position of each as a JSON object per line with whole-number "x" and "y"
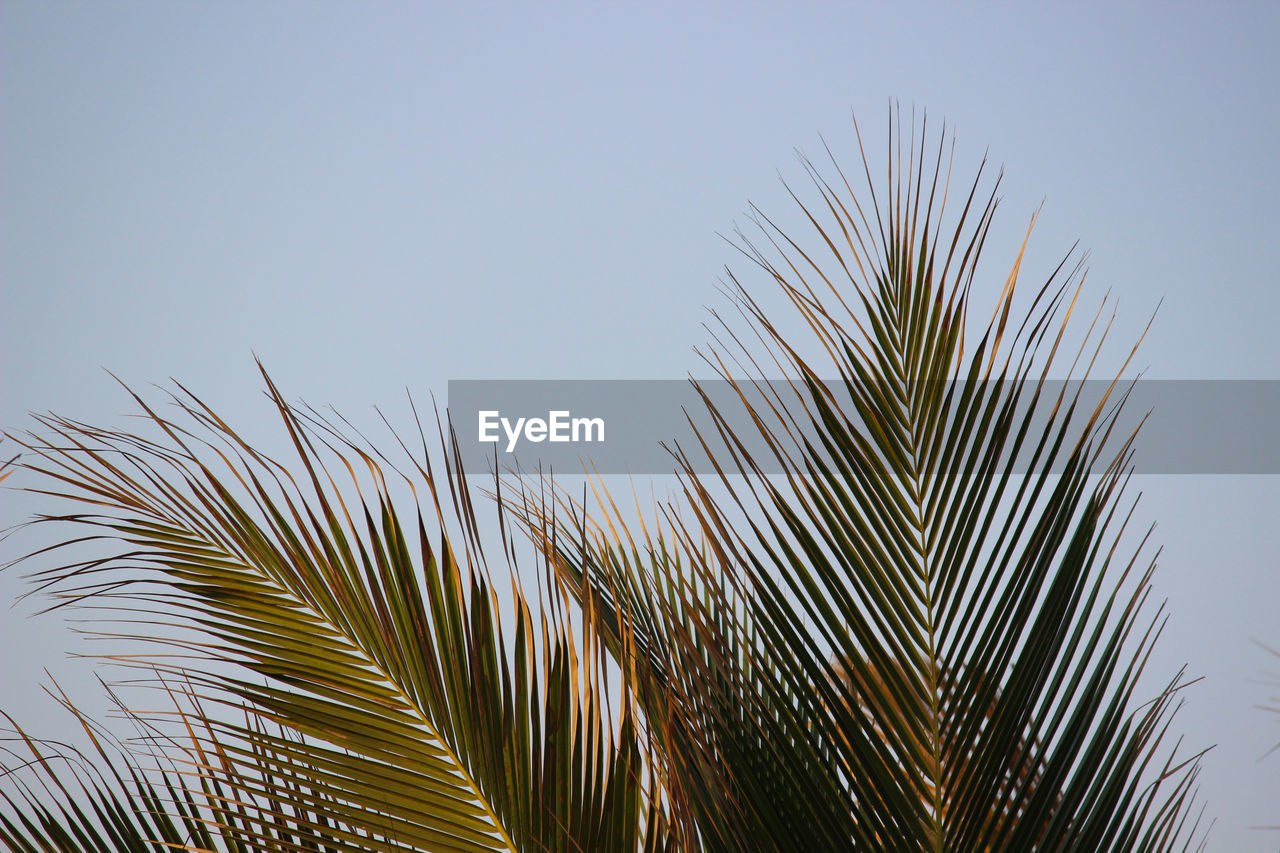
{"x": 899, "y": 641}
{"x": 361, "y": 650}
{"x": 184, "y": 792}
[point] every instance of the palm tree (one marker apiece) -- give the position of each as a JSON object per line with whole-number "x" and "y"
{"x": 897, "y": 643}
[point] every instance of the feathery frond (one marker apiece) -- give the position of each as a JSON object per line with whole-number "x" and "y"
{"x": 928, "y": 632}
{"x": 367, "y": 659}
{"x": 900, "y": 641}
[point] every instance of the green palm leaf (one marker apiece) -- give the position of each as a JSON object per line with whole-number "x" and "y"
{"x": 192, "y": 794}
{"x": 899, "y": 642}
{"x": 378, "y": 658}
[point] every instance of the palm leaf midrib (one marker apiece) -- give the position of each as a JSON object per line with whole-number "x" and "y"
{"x": 231, "y": 543}
{"x": 902, "y": 399}
{"x": 406, "y": 698}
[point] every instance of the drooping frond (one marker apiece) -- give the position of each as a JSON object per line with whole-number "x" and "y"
{"x": 346, "y": 648}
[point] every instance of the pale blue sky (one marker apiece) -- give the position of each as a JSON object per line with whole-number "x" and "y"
{"x": 380, "y": 196}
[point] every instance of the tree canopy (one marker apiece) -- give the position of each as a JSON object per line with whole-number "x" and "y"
{"x": 899, "y": 642}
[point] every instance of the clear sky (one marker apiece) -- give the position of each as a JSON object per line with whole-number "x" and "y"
{"x": 380, "y": 196}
